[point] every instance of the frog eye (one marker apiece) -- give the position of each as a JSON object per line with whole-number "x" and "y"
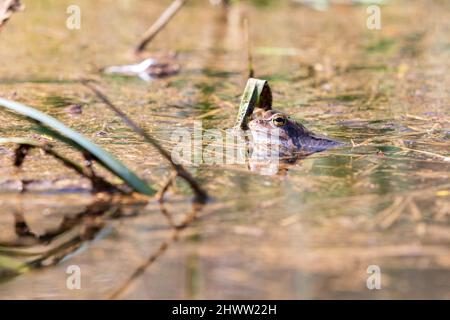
{"x": 279, "y": 120}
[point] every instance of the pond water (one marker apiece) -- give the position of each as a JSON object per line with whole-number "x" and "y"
{"x": 313, "y": 231}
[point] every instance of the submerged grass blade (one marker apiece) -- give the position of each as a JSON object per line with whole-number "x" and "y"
{"x": 103, "y": 157}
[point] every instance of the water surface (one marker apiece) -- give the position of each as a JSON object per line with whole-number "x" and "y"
{"x": 310, "y": 232}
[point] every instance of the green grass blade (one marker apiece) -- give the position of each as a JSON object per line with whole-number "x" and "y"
{"x": 257, "y": 94}
{"x": 105, "y": 158}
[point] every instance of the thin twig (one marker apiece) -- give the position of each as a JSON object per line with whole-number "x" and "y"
{"x": 166, "y": 186}
{"x": 159, "y": 24}
{"x": 432, "y": 154}
{"x": 201, "y": 195}
{"x": 251, "y": 71}
{"x": 98, "y": 183}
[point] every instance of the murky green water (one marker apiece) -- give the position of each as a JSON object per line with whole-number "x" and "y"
{"x": 311, "y": 232}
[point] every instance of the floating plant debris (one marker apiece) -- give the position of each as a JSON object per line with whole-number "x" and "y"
{"x": 7, "y": 8}
{"x": 148, "y": 69}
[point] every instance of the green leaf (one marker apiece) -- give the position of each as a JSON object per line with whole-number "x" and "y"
{"x": 257, "y": 94}
{"x": 103, "y": 157}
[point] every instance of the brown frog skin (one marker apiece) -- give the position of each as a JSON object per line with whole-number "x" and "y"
{"x": 292, "y": 138}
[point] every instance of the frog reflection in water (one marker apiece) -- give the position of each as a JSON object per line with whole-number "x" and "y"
{"x": 277, "y": 139}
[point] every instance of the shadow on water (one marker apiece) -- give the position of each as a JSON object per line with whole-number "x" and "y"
{"x": 32, "y": 251}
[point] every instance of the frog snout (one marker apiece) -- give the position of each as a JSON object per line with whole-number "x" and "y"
{"x": 255, "y": 124}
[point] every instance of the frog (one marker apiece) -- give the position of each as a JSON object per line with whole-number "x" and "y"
{"x": 291, "y": 137}
{"x": 277, "y": 142}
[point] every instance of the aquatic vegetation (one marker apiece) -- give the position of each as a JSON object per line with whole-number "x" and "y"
{"x": 310, "y": 231}
{"x": 148, "y": 69}
{"x": 200, "y": 193}
{"x": 257, "y": 94}
{"x": 58, "y": 130}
